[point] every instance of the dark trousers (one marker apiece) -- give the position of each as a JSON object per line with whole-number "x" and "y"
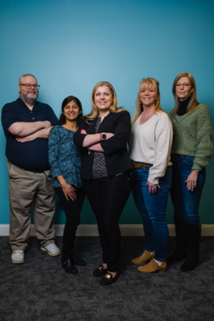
{"x": 108, "y": 197}
{"x": 72, "y": 211}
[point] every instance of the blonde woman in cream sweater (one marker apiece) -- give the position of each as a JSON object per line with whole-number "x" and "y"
{"x": 151, "y": 141}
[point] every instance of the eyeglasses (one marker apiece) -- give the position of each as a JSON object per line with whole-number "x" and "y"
{"x": 184, "y": 84}
{"x": 28, "y": 86}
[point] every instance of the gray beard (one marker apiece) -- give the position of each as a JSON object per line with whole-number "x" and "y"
{"x": 30, "y": 100}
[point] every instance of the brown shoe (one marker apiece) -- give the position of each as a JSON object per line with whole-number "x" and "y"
{"x": 152, "y": 267}
{"x": 146, "y": 256}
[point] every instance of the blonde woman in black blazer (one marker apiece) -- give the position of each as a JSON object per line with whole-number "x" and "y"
{"x": 105, "y": 171}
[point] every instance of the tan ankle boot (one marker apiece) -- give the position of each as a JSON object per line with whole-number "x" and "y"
{"x": 152, "y": 267}
{"x": 146, "y": 256}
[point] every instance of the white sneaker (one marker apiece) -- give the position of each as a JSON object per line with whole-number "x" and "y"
{"x": 17, "y": 257}
{"x": 52, "y": 249}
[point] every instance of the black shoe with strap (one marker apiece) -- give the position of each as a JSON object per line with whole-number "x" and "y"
{"x": 99, "y": 271}
{"x": 108, "y": 278}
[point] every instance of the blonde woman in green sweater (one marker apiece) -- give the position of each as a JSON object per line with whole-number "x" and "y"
{"x": 191, "y": 152}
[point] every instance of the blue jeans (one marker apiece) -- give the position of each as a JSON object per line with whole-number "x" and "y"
{"x": 186, "y": 203}
{"x": 152, "y": 207}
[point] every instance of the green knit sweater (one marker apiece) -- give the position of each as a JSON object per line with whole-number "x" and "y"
{"x": 193, "y": 136}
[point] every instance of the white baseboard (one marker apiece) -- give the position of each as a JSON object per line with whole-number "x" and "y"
{"x": 126, "y": 230}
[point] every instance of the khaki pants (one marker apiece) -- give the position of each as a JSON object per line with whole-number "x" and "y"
{"x": 25, "y": 188}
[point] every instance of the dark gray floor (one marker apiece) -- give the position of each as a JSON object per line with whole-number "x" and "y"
{"x": 40, "y": 290}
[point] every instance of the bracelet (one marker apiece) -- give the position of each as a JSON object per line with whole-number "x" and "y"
{"x": 101, "y": 137}
{"x": 64, "y": 186}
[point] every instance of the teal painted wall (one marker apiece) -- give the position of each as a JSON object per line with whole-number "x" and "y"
{"x": 71, "y": 45}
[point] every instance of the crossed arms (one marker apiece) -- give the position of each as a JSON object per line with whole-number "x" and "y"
{"x": 26, "y": 132}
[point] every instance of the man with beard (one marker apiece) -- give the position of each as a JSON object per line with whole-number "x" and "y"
{"x": 27, "y": 124}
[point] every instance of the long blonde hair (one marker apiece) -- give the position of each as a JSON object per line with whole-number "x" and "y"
{"x": 193, "y": 101}
{"x": 144, "y": 84}
{"x": 113, "y": 108}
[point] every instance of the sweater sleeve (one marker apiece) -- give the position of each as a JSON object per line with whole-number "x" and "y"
{"x": 53, "y": 152}
{"x": 204, "y": 137}
{"x": 121, "y": 135}
{"x": 162, "y": 149}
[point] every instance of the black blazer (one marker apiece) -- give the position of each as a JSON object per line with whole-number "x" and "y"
{"x": 115, "y": 148}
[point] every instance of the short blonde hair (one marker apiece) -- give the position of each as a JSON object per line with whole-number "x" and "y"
{"x": 193, "y": 101}
{"x": 145, "y": 83}
{"x": 113, "y": 108}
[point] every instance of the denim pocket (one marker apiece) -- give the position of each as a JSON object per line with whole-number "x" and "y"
{"x": 188, "y": 159}
{"x": 146, "y": 168}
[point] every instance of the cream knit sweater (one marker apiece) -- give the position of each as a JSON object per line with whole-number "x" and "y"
{"x": 151, "y": 143}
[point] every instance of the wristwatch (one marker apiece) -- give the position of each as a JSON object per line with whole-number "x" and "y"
{"x": 103, "y": 136}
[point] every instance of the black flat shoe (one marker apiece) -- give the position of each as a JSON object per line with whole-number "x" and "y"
{"x": 68, "y": 266}
{"x": 99, "y": 271}
{"x": 108, "y": 278}
{"x": 77, "y": 261}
